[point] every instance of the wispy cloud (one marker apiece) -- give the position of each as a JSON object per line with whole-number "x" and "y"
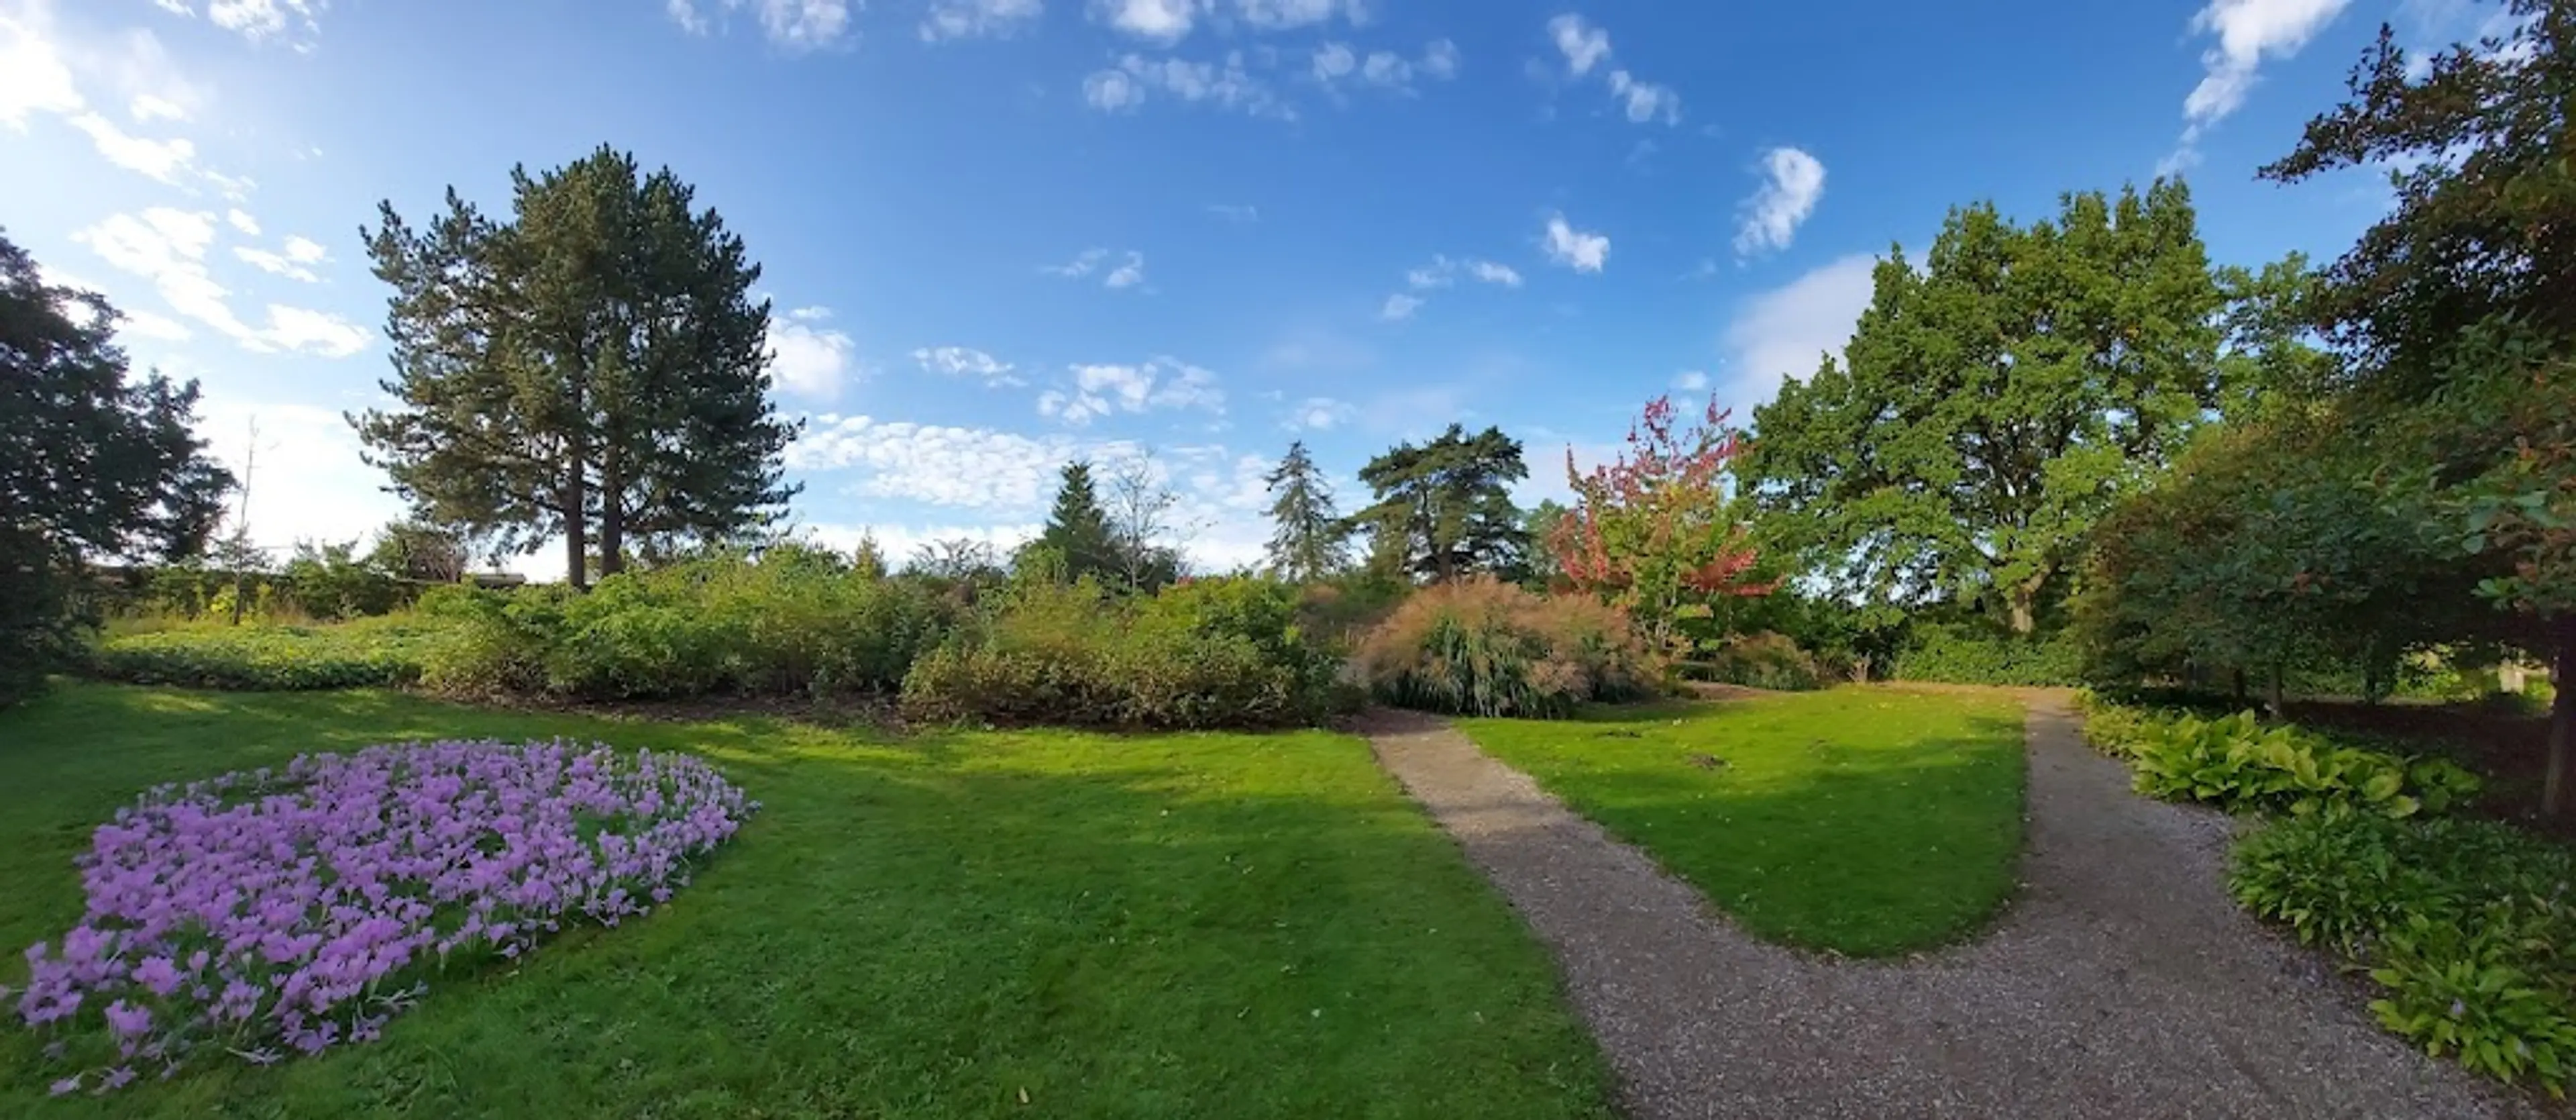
{"x": 2247, "y": 33}
{"x": 966, "y": 361}
{"x": 1586, "y": 48}
{"x": 168, "y": 247}
{"x": 967, "y": 19}
{"x": 1095, "y": 391}
{"x": 790, "y": 24}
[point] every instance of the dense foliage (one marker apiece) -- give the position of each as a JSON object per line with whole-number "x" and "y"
{"x": 373, "y": 652}
{"x": 1483, "y": 647}
{"x": 1207, "y": 653}
{"x": 1976, "y": 654}
{"x": 2465, "y": 926}
{"x": 796, "y": 620}
{"x": 93, "y": 465}
{"x": 595, "y": 361}
{"x": 258, "y": 913}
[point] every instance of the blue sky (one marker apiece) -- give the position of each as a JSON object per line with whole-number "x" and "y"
{"x": 1004, "y": 233}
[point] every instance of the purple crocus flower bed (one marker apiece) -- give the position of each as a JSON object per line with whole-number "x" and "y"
{"x": 270, "y": 912}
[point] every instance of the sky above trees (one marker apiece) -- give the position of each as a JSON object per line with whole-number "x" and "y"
{"x": 1001, "y": 234}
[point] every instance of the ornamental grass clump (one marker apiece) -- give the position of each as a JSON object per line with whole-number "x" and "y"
{"x": 277, "y": 911}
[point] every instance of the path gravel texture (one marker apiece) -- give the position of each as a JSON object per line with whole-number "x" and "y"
{"x": 2121, "y": 983}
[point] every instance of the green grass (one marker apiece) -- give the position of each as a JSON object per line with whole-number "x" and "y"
{"x": 1184, "y": 925}
{"x": 1861, "y": 821}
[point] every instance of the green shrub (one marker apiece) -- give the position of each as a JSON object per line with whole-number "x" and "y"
{"x": 1201, "y": 654}
{"x": 1486, "y": 648}
{"x": 373, "y": 652}
{"x": 2465, "y": 925}
{"x": 2238, "y": 764}
{"x": 1758, "y": 660}
{"x": 796, "y": 620}
{"x": 1957, "y": 655}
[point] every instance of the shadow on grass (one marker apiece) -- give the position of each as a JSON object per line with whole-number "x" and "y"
{"x": 1185, "y": 925}
{"x": 1855, "y": 822}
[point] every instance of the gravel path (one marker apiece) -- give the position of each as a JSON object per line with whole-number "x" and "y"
{"x": 2121, "y": 984}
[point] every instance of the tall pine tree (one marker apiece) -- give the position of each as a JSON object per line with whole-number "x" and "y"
{"x": 1310, "y": 541}
{"x": 596, "y": 360}
{"x": 1078, "y": 529}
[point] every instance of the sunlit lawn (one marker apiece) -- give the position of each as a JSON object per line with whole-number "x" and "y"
{"x": 1863, "y": 821}
{"x": 1200, "y": 926}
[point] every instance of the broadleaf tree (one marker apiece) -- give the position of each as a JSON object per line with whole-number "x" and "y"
{"x": 2457, "y": 309}
{"x": 1308, "y": 540}
{"x": 94, "y": 464}
{"x": 596, "y": 361}
{"x": 1654, "y": 530}
{"x": 1992, "y": 404}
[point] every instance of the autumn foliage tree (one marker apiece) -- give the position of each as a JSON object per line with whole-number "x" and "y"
{"x": 1653, "y": 530}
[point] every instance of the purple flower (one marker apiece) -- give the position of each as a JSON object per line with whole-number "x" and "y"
{"x": 65, "y": 1086}
{"x": 291, "y": 895}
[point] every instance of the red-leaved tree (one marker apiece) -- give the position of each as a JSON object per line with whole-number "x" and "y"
{"x": 1652, "y": 530}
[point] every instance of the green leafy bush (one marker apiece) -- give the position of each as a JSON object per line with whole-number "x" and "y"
{"x": 2239, "y": 764}
{"x": 372, "y": 652}
{"x": 1958, "y": 655}
{"x": 1486, "y": 648}
{"x": 1758, "y": 660}
{"x": 2465, "y": 925}
{"x": 795, "y": 620}
{"x": 1200, "y": 654}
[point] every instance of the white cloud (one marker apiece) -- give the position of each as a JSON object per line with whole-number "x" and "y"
{"x": 1317, "y": 414}
{"x": 1282, "y": 15}
{"x": 971, "y": 467}
{"x": 168, "y": 247}
{"x": 811, "y": 359}
{"x": 1586, "y": 47}
{"x": 961, "y": 19}
{"x": 1112, "y": 91}
{"x": 1443, "y": 272}
{"x": 155, "y": 326}
{"x": 1792, "y": 181}
{"x": 242, "y": 222}
{"x": 147, "y": 108}
{"x": 1583, "y": 45}
{"x": 1228, "y": 84}
{"x": 160, "y": 159}
{"x": 34, "y": 78}
{"x": 306, "y": 480}
{"x": 1691, "y": 381}
{"x": 1782, "y": 333}
{"x": 1576, "y": 249}
{"x": 1163, "y": 21}
{"x": 1158, "y": 384}
{"x": 1646, "y": 100}
{"x": 259, "y": 20}
{"x": 1336, "y": 62}
{"x": 793, "y": 24}
{"x": 304, "y": 250}
{"x": 966, "y": 361}
{"x": 1399, "y": 306}
{"x": 1128, "y": 274}
{"x": 275, "y": 263}
{"x": 2248, "y": 31}
{"x": 1235, "y": 212}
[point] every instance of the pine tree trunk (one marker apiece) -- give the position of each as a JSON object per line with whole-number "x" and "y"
{"x": 2562, "y": 715}
{"x": 2237, "y": 683}
{"x": 2280, "y": 705}
{"x": 612, "y": 513}
{"x": 575, "y": 517}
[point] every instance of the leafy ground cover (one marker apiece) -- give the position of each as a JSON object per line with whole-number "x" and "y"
{"x": 369, "y": 652}
{"x": 957, "y": 925}
{"x": 1862, "y": 821}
